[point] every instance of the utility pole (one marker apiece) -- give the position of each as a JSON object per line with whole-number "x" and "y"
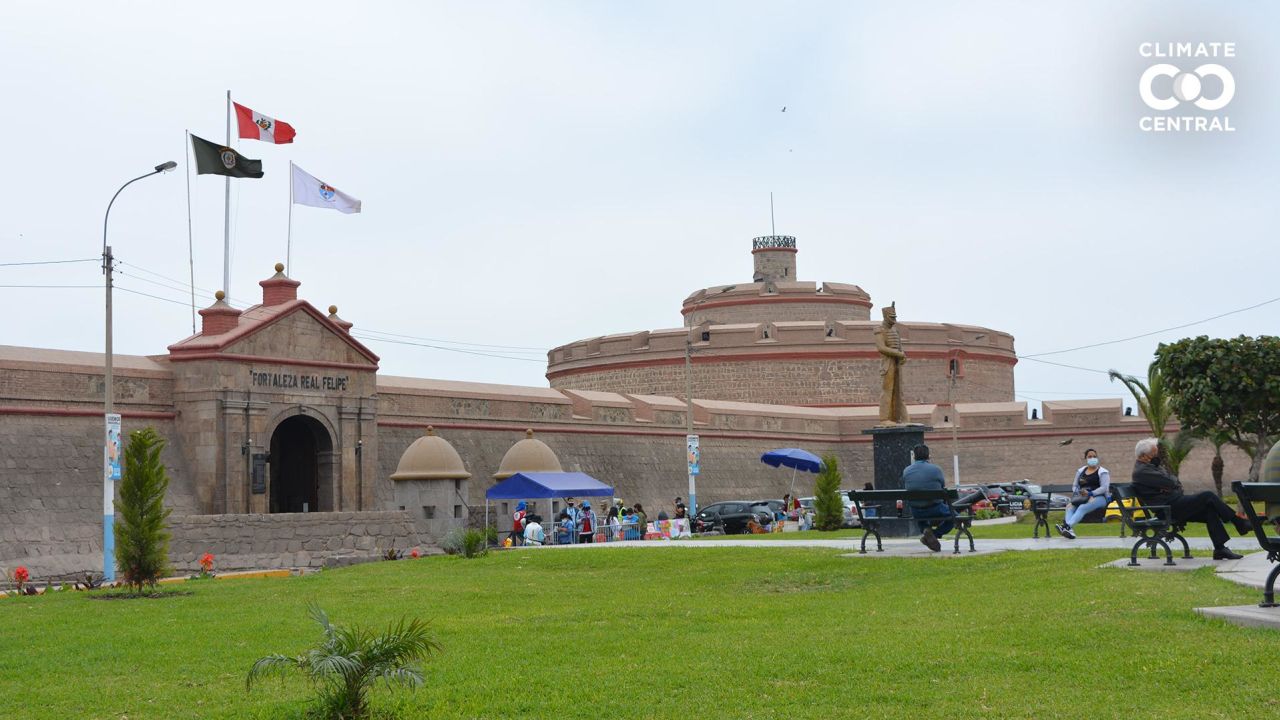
{"x": 688, "y": 426}
{"x": 112, "y": 421}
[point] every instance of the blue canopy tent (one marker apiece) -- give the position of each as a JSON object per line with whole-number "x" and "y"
{"x": 794, "y": 458}
{"x": 545, "y": 485}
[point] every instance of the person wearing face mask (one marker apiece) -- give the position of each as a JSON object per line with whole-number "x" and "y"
{"x": 1090, "y": 491}
{"x": 1156, "y": 486}
{"x": 571, "y": 509}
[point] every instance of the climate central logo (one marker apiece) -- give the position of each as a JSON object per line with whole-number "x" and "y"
{"x": 1187, "y": 87}
{"x": 1210, "y": 87}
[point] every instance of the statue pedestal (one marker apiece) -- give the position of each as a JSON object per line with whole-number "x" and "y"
{"x": 891, "y": 451}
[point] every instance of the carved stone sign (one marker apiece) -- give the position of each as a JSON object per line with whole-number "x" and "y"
{"x": 296, "y": 381}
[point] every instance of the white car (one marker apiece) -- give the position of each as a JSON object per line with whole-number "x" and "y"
{"x": 851, "y": 519}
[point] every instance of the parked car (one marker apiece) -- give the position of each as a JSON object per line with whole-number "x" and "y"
{"x": 729, "y": 517}
{"x": 774, "y": 506}
{"x": 850, "y": 519}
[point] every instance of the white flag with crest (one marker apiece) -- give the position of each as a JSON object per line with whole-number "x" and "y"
{"x": 308, "y": 190}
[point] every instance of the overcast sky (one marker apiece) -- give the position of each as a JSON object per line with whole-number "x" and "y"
{"x": 535, "y": 173}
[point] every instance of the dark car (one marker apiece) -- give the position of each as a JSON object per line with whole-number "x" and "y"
{"x": 729, "y": 517}
{"x": 774, "y": 506}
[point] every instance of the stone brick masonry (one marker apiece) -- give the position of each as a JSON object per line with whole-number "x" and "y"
{"x": 311, "y": 540}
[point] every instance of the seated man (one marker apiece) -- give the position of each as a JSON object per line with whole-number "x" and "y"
{"x": 924, "y": 475}
{"x": 1156, "y": 486}
{"x": 533, "y": 532}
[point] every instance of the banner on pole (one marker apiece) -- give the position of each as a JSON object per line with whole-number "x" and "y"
{"x": 695, "y": 455}
{"x": 112, "y": 448}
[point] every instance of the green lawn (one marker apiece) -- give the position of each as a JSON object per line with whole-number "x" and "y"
{"x": 657, "y": 633}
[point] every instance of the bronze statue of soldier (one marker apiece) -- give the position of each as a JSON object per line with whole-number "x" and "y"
{"x": 893, "y": 410}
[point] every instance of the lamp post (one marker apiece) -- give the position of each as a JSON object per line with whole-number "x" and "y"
{"x": 688, "y": 428}
{"x": 108, "y": 490}
{"x": 953, "y": 367}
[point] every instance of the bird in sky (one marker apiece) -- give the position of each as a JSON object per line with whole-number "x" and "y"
{"x": 784, "y": 108}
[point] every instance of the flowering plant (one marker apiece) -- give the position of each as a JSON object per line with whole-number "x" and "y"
{"x": 21, "y": 576}
{"x": 415, "y": 554}
{"x": 206, "y": 563}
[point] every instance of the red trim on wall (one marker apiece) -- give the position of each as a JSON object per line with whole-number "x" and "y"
{"x": 770, "y": 300}
{"x": 520, "y": 428}
{"x": 839, "y": 405}
{"x": 767, "y": 357}
{"x": 1065, "y": 432}
{"x": 937, "y": 435}
{"x": 77, "y": 412}
{"x": 234, "y": 357}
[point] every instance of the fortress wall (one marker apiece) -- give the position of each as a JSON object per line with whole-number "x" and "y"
{"x": 645, "y": 460}
{"x": 726, "y": 313}
{"x": 51, "y": 444}
{"x": 791, "y": 362}
{"x": 807, "y": 381}
{"x": 51, "y": 483}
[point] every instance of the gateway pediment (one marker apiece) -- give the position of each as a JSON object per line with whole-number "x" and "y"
{"x": 281, "y": 330}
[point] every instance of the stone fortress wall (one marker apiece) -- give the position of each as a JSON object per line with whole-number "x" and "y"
{"x": 761, "y": 302}
{"x": 810, "y": 363}
{"x": 50, "y": 449}
{"x": 616, "y": 410}
{"x": 783, "y": 341}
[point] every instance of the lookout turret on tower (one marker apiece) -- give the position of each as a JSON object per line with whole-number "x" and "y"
{"x": 775, "y": 258}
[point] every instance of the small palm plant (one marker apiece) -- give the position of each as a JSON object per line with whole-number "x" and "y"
{"x": 348, "y": 662}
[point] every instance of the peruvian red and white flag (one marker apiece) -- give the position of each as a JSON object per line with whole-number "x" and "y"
{"x": 256, "y": 126}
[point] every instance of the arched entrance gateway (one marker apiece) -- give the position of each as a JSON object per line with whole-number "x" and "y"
{"x": 302, "y": 466}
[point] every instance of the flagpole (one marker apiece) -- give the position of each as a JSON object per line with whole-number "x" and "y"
{"x": 288, "y": 248}
{"x": 191, "y": 258}
{"x": 226, "y": 217}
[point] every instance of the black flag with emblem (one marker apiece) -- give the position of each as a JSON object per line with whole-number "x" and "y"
{"x": 215, "y": 159}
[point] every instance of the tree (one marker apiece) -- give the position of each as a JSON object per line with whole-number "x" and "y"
{"x": 1217, "y": 437}
{"x": 826, "y": 501}
{"x": 142, "y": 536}
{"x": 348, "y": 662}
{"x": 1228, "y": 385}
{"x": 1178, "y": 450}
{"x": 1152, "y": 397}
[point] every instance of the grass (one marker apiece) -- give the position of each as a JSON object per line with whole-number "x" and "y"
{"x": 673, "y": 632}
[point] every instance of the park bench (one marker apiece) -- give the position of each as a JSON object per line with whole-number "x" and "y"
{"x": 1042, "y": 503}
{"x": 1269, "y": 493}
{"x": 1152, "y": 525}
{"x": 874, "y": 506}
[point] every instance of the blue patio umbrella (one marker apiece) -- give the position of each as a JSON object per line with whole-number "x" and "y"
{"x": 794, "y": 458}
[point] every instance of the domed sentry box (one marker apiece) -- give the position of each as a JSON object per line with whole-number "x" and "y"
{"x": 430, "y": 483}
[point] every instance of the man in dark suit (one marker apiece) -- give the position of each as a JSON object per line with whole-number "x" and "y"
{"x": 924, "y": 475}
{"x": 1156, "y": 486}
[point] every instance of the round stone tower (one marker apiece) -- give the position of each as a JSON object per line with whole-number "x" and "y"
{"x": 786, "y": 341}
{"x": 775, "y": 258}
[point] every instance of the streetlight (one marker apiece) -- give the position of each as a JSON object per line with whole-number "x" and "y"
{"x": 953, "y": 366}
{"x": 108, "y": 490}
{"x": 688, "y": 422}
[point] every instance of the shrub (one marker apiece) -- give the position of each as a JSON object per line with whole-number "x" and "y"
{"x": 469, "y": 543}
{"x": 20, "y": 577}
{"x": 826, "y": 502}
{"x": 348, "y": 662}
{"x": 142, "y": 537}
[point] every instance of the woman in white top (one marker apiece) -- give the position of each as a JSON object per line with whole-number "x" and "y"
{"x": 1090, "y": 491}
